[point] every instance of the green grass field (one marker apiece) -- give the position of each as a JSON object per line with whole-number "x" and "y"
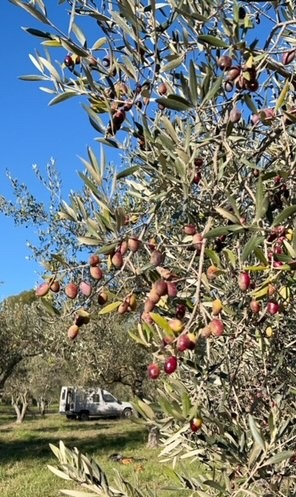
{"x": 25, "y": 453}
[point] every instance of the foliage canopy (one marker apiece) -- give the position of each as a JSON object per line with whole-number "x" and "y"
{"x": 200, "y": 216}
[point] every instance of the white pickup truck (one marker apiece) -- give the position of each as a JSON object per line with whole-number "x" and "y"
{"x": 83, "y": 404}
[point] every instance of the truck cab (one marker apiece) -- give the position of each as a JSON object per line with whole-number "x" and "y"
{"x": 84, "y": 404}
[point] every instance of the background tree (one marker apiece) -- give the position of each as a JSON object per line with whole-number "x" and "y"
{"x": 17, "y": 390}
{"x": 37, "y": 360}
{"x": 37, "y": 381}
{"x": 41, "y": 215}
{"x": 23, "y": 332}
{"x": 109, "y": 357}
{"x": 198, "y": 221}
{"x": 27, "y": 335}
{"x": 45, "y": 378}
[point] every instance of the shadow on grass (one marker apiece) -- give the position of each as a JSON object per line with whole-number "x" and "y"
{"x": 32, "y": 448}
{"x": 9, "y": 416}
{"x": 6, "y": 419}
{"x": 111, "y": 443}
{"x": 73, "y": 426}
{"x": 6, "y": 416}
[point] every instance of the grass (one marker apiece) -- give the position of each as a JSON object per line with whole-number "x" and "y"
{"x": 25, "y": 453}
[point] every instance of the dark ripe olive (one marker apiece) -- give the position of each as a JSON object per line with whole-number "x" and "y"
{"x": 228, "y": 86}
{"x": 233, "y": 73}
{"x": 240, "y": 83}
{"x": 119, "y": 117}
{"x": 224, "y": 62}
{"x": 288, "y": 57}
{"x": 162, "y": 89}
{"x": 252, "y": 85}
{"x": 249, "y": 73}
{"x": 106, "y": 62}
{"x": 68, "y": 61}
{"x": 241, "y": 13}
{"x": 127, "y": 106}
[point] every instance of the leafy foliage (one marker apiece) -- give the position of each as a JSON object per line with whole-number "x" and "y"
{"x": 104, "y": 355}
{"x": 200, "y": 216}
{"x": 24, "y": 333}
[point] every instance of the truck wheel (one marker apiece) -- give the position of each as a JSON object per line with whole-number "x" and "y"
{"x": 70, "y": 416}
{"x": 83, "y": 416}
{"x": 127, "y": 413}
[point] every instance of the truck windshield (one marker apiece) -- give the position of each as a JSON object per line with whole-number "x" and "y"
{"x": 108, "y": 397}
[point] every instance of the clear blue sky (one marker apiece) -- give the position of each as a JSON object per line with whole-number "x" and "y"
{"x": 32, "y": 132}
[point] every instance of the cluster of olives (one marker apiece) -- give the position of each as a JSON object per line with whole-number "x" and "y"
{"x": 242, "y": 77}
{"x": 119, "y": 93}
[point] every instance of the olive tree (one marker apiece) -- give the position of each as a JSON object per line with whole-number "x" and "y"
{"x": 45, "y": 377}
{"x": 18, "y": 392}
{"x": 27, "y": 334}
{"x": 36, "y": 359}
{"x": 105, "y": 355}
{"x": 194, "y": 233}
{"x": 22, "y": 334}
{"x": 40, "y": 214}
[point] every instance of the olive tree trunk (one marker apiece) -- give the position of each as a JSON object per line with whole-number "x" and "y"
{"x": 153, "y": 437}
{"x": 42, "y": 406}
{"x": 20, "y": 404}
